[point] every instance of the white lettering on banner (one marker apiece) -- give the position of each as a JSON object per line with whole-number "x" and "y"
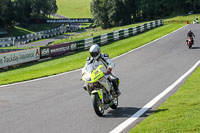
{"x": 62, "y": 49}
{"x": 45, "y": 52}
{"x": 18, "y": 57}
{"x": 68, "y": 21}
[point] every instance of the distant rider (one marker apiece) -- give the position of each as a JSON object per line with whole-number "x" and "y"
{"x": 190, "y": 34}
{"x": 196, "y": 21}
{"x": 97, "y": 58}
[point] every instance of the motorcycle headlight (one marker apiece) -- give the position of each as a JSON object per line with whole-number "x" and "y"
{"x": 88, "y": 78}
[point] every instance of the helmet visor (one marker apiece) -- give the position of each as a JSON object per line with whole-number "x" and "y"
{"x": 93, "y": 54}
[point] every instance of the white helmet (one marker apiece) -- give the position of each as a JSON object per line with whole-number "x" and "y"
{"x": 95, "y": 51}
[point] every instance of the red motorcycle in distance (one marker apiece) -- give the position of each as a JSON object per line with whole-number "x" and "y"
{"x": 190, "y": 42}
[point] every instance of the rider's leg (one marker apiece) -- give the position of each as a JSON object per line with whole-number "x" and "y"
{"x": 115, "y": 82}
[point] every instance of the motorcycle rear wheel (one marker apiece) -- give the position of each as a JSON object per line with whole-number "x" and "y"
{"x": 97, "y": 105}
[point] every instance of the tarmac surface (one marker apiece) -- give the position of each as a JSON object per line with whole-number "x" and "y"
{"x": 60, "y": 105}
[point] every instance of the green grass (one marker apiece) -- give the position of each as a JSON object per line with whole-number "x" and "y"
{"x": 182, "y": 19}
{"x": 67, "y": 63}
{"x": 74, "y": 8}
{"x": 20, "y": 31}
{"x": 179, "y": 114}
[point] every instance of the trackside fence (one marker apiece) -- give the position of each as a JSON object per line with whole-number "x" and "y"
{"x": 19, "y": 57}
{"x": 117, "y": 35}
{"x": 20, "y": 40}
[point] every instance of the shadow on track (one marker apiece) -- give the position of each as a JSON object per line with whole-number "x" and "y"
{"x": 121, "y": 112}
{"x": 127, "y": 112}
{"x": 150, "y": 111}
{"x": 195, "y": 48}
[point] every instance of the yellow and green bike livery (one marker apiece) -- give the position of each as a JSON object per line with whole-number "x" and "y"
{"x": 101, "y": 98}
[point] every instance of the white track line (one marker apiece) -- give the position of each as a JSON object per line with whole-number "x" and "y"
{"x": 80, "y": 69}
{"x": 134, "y": 117}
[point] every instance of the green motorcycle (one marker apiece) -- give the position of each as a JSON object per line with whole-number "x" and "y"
{"x": 101, "y": 98}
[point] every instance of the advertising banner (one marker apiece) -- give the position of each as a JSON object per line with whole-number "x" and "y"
{"x": 68, "y": 20}
{"x": 18, "y": 57}
{"x": 44, "y": 52}
{"x": 61, "y": 49}
{"x": 78, "y": 20}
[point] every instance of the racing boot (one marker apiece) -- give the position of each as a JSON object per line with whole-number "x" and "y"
{"x": 116, "y": 87}
{"x": 115, "y": 82}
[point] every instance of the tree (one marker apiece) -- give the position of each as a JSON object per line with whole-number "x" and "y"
{"x": 108, "y": 13}
{"x": 99, "y": 11}
{"x": 6, "y": 13}
{"x": 44, "y": 8}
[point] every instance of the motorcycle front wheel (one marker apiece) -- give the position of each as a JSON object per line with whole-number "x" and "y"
{"x": 97, "y": 104}
{"x": 189, "y": 46}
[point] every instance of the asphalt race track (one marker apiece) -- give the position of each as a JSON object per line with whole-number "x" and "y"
{"x": 60, "y": 105}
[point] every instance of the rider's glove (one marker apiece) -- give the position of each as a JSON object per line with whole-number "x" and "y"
{"x": 109, "y": 69}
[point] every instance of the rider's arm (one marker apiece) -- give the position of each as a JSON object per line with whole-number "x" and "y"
{"x": 84, "y": 69}
{"x": 193, "y": 34}
{"x": 188, "y": 34}
{"x": 109, "y": 61}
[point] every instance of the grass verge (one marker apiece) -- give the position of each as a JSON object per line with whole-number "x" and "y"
{"x": 21, "y": 31}
{"x": 71, "y": 62}
{"x": 179, "y": 114}
{"x": 74, "y": 8}
{"x": 181, "y": 19}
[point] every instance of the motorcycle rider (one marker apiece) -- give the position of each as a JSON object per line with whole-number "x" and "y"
{"x": 196, "y": 21}
{"x": 97, "y": 58}
{"x": 190, "y": 34}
